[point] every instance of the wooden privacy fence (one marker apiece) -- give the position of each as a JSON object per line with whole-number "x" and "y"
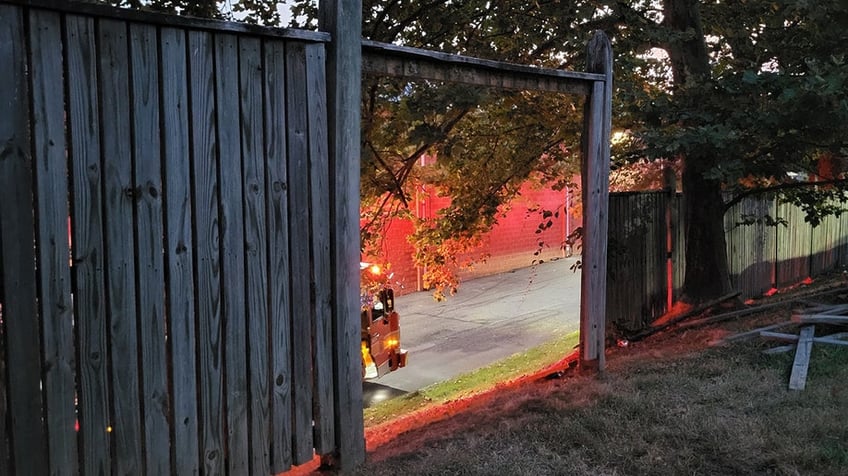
{"x": 165, "y": 217}
{"x": 644, "y": 277}
{"x": 638, "y": 256}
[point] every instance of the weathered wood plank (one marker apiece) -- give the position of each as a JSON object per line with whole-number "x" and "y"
{"x": 831, "y": 339}
{"x": 820, "y": 319}
{"x": 278, "y": 254}
{"x": 778, "y": 336}
{"x": 780, "y": 349}
{"x": 319, "y": 218}
{"x": 179, "y": 248}
{"x": 833, "y": 309}
{"x": 20, "y": 313}
{"x": 756, "y": 332}
{"x": 256, "y": 251}
{"x": 5, "y": 431}
{"x": 835, "y": 339}
{"x": 798, "y": 377}
{"x": 385, "y": 59}
{"x": 207, "y": 260}
{"x": 87, "y": 244}
{"x": 149, "y": 229}
{"x": 232, "y": 251}
{"x": 302, "y": 307}
{"x": 48, "y": 129}
{"x": 344, "y": 70}
{"x": 596, "y": 133}
{"x": 118, "y": 188}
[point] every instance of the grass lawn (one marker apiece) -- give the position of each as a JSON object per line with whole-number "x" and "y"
{"x": 676, "y": 403}
{"x": 473, "y": 383}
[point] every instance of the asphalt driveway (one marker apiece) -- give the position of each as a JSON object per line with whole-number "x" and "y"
{"x": 489, "y": 319}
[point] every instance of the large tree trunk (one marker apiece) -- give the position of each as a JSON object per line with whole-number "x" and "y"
{"x": 707, "y": 275}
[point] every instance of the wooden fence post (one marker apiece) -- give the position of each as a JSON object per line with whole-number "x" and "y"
{"x": 341, "y": 18}
{"x": 595, "y": 184}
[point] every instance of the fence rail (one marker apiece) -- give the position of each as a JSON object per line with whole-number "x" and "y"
{"x": 643, "y": 272}
{"x": 164, "y": 207}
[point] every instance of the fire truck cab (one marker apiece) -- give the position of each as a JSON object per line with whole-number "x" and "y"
{"x": 381, "y": 350}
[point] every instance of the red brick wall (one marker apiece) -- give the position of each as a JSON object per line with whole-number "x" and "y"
{"x": 512, "y": 244}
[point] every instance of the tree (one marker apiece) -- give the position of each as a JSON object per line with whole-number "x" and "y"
{"x": 742, "y": 106}
{"x": 707, "y": 274}
{"x": 195, "y": 8}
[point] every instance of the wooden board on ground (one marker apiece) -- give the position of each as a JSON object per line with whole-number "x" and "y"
{"x": 803, "y": 342}
{"x": 758, "y": 331}
{"x": 820, "y": 319}
{"x": 831, "y": 339}
{"x": 798, "y": 378}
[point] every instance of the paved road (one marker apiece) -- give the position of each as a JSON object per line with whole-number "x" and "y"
{"x": 488, "y": 319}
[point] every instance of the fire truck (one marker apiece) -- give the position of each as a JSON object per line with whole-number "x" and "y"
{"x": 381, "y": 350}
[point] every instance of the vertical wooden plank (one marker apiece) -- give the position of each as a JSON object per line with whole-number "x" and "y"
{"x": 48, "y": 131}
{"x": 207, "y": 261}
{"x": 731, "y": 236}
{"x": 278, "y": 254}
{"x": 344, "y": 73}
{"x": 148, "y": 230}
{"x": 798, "y": 376}
{"x": 256, "y": 251}
{"x": 669, "y": 244}
{"x": 116, "y": 140}
{"x": 232, "y": 250}
{"x": 302, "y": 309}
{"x": 88, "y": 248}
{"x": 679, "y": 254}
{"x": 769, "y": 244}
{"x": 5, "y": 431}
{"x": 783, "y": 269}
{"x": 319, "y": 191}
{"x": 842, "y": 255}
{"x": 660, "y": 252}
{"x": 179, "y": 246}
{"x": 595, "y": 178}
{"x": 20, "y": 316}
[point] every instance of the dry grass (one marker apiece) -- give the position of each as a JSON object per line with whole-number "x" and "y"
{"x": 672, "y": 404}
